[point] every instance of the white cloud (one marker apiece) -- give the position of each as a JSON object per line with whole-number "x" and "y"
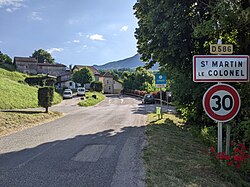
{"x": 96, "y": 37}
{"x": 11, "y": 5}
{"x": 35, "y": 16}
{"x": 76, "y": 41}
{"x": 80, "y": 34}
{"x": 52, "y": 50}
{"x": 124, "y": 28}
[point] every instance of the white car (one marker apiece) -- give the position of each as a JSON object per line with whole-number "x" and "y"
{"x": 68, "y": 90}
{"x": 67, "y": 94}
{"x": 81, "y": 91}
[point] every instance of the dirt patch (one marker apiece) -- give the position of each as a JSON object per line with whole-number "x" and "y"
{"x": 14, "y": 121}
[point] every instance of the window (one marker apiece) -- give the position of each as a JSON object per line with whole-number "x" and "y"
{"x": 70, "y": 84}
{"x": 107, "y": 81}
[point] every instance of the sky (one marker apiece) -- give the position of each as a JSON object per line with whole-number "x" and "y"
{"x": 83, "y": 32}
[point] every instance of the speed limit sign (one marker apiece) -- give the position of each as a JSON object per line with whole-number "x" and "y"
{"x": 221, "y": 102}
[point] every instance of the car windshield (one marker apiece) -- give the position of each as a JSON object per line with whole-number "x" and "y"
{"x": 67, "y": 93}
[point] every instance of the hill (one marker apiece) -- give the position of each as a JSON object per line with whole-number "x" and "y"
{"x": 14, "y": 93}
{"x": 128, "y": 63}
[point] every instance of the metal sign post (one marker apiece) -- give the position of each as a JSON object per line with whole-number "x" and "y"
{"x": 220, "y": 137}
{"x": 160, "y": 81}
{"x": 161, "y": 101}
{"x": 221, "y": 102}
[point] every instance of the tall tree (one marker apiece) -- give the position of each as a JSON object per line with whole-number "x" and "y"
{"x": 43, "y": 56}
{"x": 171, "y": 32}
{"x": 83, "y": 76}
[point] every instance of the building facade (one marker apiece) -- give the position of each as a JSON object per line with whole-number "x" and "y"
{"x": 31, "y": 66}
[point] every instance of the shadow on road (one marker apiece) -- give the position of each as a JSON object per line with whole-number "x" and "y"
{"x": 84, "y": 160}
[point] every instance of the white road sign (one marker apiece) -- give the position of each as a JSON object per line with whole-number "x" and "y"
{"x": 221, "y": 102}
{"x": 221, "y": 68}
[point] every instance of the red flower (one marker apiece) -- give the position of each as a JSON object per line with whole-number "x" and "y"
{"x": 230, "y": 163}
{"x": 246, "y": 156}
{"x": 238, "y": 158}
{"x": 227, "y": 157}
{"x": 212, "y": 150}
{"x": 242, "y": 146}
{"x": 236, "y": 150}
{"x": 237, "y": 166}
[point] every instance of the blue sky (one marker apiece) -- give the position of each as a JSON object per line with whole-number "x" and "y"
{"x": 85, "y": 32}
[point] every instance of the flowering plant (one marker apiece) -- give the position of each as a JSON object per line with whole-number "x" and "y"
{"x": 240, "y": 156}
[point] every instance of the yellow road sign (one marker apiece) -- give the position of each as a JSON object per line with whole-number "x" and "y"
{"x": 221, "y": 49}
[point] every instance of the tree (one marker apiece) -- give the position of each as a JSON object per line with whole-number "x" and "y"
{"x": 4, "y": 58}
{"x": 171, "y": 32}
{"x": 96, "y": 86}
{"x": 45, "y": 97}
{"x": 43, "y": 56}
{"x": 141, "y": 79}
{"x": 83, "y": 76}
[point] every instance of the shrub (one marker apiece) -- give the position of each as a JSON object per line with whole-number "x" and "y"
{"x": 45, "y": 97}
{"x": 97, "y": 86}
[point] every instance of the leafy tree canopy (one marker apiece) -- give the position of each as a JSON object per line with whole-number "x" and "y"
{"x": 43, "y": 56}
{"x": 4, "y": 58}
{"x": 141, "y": 79}
{"x": 171, "y": 32}
{"x": 83, "y": 76}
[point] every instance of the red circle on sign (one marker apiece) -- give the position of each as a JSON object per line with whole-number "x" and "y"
{"x": 236, "y": 102}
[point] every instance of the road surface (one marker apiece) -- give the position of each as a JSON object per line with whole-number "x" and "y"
{"x": 96, "y": 146}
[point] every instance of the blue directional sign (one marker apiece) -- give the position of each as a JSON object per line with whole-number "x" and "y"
{"x": 160, "y": 80}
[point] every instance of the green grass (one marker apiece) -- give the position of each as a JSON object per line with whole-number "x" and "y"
{"x": 16, "y": 121}
{"x": 12, "y": 75}
{"x": 15, "y": 94}
{"x": 173, "y": 157}
{"x": 90, "y": 101}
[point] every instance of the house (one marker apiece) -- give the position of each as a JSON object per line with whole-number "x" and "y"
{"x": 92, "y": 69}
{"x": 110, "y": 85}
{"x": 65, "y": 81}
{"x": 30, "y": 65}
{"x": 26, "y": 64}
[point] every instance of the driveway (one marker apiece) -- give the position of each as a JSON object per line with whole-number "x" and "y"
{"x": 95, "y": 146}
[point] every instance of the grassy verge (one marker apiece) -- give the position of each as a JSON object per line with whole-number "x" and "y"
{"x": 173, "y": 157}
{"x": 16, "y": 96}
{"x": 90, "y": 101}
{"x": 14, "y": 121}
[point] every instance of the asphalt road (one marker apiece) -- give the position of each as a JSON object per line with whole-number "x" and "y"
{"x": 96, "y": 146}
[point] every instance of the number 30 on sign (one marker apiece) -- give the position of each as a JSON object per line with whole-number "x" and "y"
{"x": 221, "y": 102}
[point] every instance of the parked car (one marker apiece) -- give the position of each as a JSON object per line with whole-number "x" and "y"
{"x": 68, "y": 90}
{"x": 148, "y": 99}
{"x": 80, "y": 91}
{"x": 67, "y": 94}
